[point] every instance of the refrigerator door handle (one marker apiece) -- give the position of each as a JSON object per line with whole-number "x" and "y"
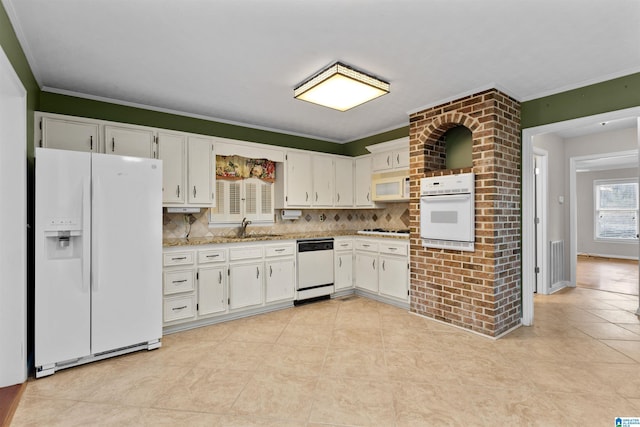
{"x": 86, "y": 233}
{"x": 95, "y": 237}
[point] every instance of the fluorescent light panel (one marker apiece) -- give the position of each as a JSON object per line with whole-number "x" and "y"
{"x": 341, "y": 88}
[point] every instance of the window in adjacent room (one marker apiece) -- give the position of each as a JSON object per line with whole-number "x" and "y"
{"x": 616, "y": 209}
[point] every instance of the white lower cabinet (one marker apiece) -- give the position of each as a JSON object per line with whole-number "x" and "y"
{"x": 202, "y": 284}
{"x": 382, "y": 268}
{"x": 245, "y": 285}
{"x": 343, "y": 263}
{"x": 212, "y": 284}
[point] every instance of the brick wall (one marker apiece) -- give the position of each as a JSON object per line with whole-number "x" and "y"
{"x": 477, "y": 290}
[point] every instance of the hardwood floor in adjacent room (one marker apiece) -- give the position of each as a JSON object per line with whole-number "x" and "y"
{"x": 607, "y": 274}
{"x": 358, "y": 362}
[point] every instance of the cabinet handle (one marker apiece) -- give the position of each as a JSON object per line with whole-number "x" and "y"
{"x": 179, "y": 281}
{"x": 344, "y": 245}
{"x": 388, "y": 161}
{"x": 257, "y": 272}
{"x": 340, "y": 262}
{"x": 306, "y": 196}
{"x": 91, "y": 142}
{"x": 280, "y": 250}
{"x": 398, "y": 159}
{"x": 220, "y": 276}
{"x": 366, "y": 246}
{"x": 374, "y": 264}
{"x": 270, "y": 271}
{"x": 179, "y": 308}
{"x": 178, "y": 258}
{"x": 213, "y": 256}
{"x": 194, "y": 191}
{"x": 383, "y": 269}
{"x": 113, "y": 145}
{"x": 393, "y": 249}
{"x": 316, "y": 196}
{"x": 338, "y": 197}
{"x": 178, "y": 191}
{"x": 367, "y": 196}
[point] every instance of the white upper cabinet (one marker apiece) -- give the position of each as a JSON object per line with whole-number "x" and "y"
{"x": 299, "y": 179}
{"x": 171, "y": 150}
{"x": 363, "y": 182}
{"x": 391, "y": 155}
{"x": 134, "y": 142}
{"x": 201, "y": 171}
{"x": 69, "y": 135}
{"x": 344, "y": 171}
{"x": 322, "y": 181}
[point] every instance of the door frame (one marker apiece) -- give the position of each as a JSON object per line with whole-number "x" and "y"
{"x": 542, "y": 195}
{"x": 13, "y": 248}
{"x": 528, "y": 208}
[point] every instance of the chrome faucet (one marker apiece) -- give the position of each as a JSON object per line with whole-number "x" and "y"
{"x": 243, "y": 227}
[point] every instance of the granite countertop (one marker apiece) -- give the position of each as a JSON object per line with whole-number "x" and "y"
{"x": 194, "y": 241}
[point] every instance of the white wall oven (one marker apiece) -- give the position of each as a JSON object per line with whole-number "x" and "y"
{"x": 447, "y": 212}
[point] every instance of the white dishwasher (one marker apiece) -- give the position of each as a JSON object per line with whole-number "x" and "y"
{"x": 315, "y": 269}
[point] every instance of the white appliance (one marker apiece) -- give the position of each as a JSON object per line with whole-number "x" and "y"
{"x": 315, "y": 269}
{"x": 390, "y": 186}
{"x": 98, "y": 257}
{"x": 447, "y": 212}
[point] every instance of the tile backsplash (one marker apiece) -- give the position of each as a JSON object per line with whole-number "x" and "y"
{"x": 392, "y": 216}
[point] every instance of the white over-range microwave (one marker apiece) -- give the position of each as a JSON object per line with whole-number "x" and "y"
{"x": 390, "y": 186}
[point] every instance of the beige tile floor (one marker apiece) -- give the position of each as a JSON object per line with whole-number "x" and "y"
{"x": 356, "y": 362}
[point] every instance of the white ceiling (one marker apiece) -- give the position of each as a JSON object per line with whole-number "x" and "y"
{"x": 239, "y": 60}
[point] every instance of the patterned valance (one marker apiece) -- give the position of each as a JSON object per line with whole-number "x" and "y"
{"x": 237, "y": 167}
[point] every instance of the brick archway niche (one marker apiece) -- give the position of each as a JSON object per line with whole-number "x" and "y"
{"x": 480, "y": 290}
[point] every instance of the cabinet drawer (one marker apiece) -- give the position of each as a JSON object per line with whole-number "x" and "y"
{"x": 279, "y": 250}
{"x": 367, "y": 246}
{"x": 393, "y": 248}
{"x": 177, "y": 258}
{"x": 245, "y": 253}
{"x": 343, "y": 245}
{"x": 177, "y": 308}
{"x": 178, "y": 281}
{"x": 212, "y": 255}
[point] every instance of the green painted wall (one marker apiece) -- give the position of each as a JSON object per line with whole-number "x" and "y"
{"x": 14, "y": 52}
{"x": 75, "y": 106}
{"x": 612, "y": 95}
{"x": 357, "y": 147}
{"x": 459, "y": 148}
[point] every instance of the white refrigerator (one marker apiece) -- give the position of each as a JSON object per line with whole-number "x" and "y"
{"x": 98, "y": 257}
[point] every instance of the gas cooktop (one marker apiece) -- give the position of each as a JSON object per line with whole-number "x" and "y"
{"x": 383, "y": 232}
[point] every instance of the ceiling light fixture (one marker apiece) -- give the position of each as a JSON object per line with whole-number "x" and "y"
{"x": 340, "y": 87}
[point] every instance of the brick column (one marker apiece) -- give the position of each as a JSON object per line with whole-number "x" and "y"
{"x": 477, "y": 290}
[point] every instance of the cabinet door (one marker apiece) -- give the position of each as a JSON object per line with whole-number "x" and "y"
{"x": 344, "y": 270}
{"x": 367, "y": 271}
{"x": 128, "y": 142}
{"x": 211, "y": 290}
{"x": 280, "y": 280}
{"x": 394, "y": 277}
{"x": 363, "y": 181}
{"x": 401, "y": 159}
{"x": 171, "y": 149}
{"x": 69, "y": 135}
{"x": 343, "y": 182}
{"x": 298, "y": 179}
{"x": 245, "y": 285}
{"x": 382, "y": 161}
{"x": 322, "y": 181}
{"x": 201, "y": 171}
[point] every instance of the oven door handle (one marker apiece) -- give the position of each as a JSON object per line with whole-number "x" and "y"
{"x": 447, "y": 198}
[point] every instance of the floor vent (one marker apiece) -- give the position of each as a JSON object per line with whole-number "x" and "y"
{"x": 556, "y": 261}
